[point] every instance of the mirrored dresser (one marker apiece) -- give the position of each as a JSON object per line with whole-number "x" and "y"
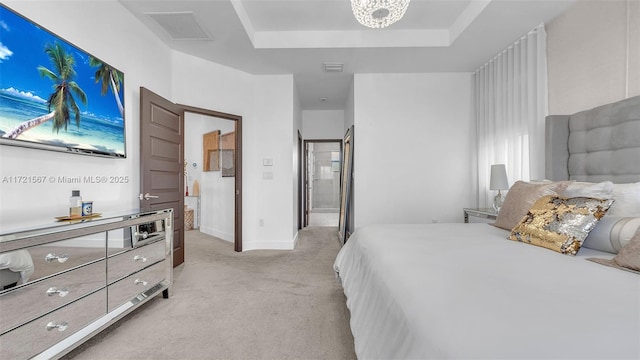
{"x": 79, "y": 277}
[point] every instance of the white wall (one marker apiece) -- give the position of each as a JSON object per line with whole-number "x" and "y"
{"x": 142, "y": 58}
{"x": 323, "y": 124}
{"x": 593, "y": 54}
{"x": 268, "y": 135}
{"x": 217, "y": 200}
{"x": 411, "y": 147}
{"x": 267, "y": 123}
{"x": 349, "y": 112}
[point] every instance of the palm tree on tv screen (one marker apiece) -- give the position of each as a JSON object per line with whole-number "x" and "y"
{"x": 62, "y": 99}
{"x": 110, "y": 78}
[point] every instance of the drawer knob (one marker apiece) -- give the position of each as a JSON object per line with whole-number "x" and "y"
{"x": 140, "y": 282}
{"x": 139, "y": 258}
{"x": 61, "y": 326}
{"x": 61, "y": 258}
{"x": 62, "y": 292}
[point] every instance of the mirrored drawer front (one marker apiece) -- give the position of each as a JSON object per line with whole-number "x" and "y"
{"x": 32, "y": 300}
{"x": 40, "y": 334}
{"x": 129, "y": 287}
{"x": 127, "y": 263}
{"x": 55, "y": 258}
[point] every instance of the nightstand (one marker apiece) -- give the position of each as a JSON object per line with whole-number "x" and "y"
{"x": 485, "y": 213}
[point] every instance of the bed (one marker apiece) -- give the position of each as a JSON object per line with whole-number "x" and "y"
{"x": 467, "y": 291}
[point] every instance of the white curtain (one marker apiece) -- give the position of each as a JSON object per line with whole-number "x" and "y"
{"x": 510, "y": 105}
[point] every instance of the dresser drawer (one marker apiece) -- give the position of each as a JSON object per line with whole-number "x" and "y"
{"x": 27, "y": 302}
{"x": 129, "y": 287}
{"x": 127, "y": 263}
{"x": 40, "y": 334}
{"x": 54, "y": 258}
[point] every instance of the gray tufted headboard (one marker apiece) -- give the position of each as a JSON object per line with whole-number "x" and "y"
{"x": 595, "y": 145}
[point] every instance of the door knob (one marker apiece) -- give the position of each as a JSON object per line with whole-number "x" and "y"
{"x": 147, "y": 196}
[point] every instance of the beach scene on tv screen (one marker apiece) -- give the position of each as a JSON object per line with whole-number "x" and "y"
{"x": 53, "y": 93}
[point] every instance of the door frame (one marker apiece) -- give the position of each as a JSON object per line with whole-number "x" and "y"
{"x": 305, "y": 161}
{"x": 237, "y": 241}
{"x": 301, "y": 163}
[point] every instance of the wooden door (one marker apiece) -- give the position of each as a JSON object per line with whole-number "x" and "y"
{"x": 162, "y": 162}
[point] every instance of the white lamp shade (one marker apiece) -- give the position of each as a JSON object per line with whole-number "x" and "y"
{"x": 498, "y": 178}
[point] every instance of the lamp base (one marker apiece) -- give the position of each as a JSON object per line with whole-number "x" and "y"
{"x": 498, "y": 200}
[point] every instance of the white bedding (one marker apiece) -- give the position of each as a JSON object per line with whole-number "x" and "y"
{"x": 18, "y": 261}
{"x": 465, "y": 291}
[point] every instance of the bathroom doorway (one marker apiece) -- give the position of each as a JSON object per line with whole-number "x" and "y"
{"x": 322, "y": 182}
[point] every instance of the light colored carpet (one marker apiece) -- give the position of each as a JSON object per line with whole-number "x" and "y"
{"x": 263, "y": 304}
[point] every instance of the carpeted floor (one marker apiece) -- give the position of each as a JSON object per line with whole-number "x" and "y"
{"x": 262, "y": 304}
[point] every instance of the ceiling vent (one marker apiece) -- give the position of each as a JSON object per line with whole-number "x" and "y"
{"x": 333, "y": 67}
{"x": 180, "y": 25}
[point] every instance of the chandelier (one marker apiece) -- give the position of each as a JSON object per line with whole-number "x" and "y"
{"x": 378, "y": 14}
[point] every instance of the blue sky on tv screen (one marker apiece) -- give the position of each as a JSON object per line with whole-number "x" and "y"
{"x": 22, "y": 45}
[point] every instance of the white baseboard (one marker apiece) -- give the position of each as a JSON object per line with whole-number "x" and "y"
{"x": 219, "y": 234}
{"x": 268, "y": 245}
{"x": 253, "y": 245}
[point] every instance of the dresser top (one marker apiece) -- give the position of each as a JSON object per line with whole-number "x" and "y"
{"x": 51, "y": 230}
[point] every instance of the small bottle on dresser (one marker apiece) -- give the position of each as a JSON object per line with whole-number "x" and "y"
{"x": 75, "y": 204}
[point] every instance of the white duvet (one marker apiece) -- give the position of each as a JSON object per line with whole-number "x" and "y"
{"x": 464, "y": 291}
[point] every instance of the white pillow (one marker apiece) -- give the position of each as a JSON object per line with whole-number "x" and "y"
{"x": 627, "y": 200}
{"x": 601, "y": 190}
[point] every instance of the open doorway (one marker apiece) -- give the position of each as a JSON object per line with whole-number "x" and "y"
{"x": 209, "y": 175}
{"x": 322, "y": 179}
{"x": 229, "y": 194}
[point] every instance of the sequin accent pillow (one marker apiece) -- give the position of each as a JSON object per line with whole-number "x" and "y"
{"x": 560, "y": 224}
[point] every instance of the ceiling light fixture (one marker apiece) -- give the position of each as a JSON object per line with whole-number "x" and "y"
{"x": 378, "y": 14}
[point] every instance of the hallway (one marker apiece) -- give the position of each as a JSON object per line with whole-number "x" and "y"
{"x": 323, "y": 217}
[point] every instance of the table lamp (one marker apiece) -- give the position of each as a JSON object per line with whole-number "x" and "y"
{"x": 498, "y": 182}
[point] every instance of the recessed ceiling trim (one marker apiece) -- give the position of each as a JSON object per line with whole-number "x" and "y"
{"x": 350, "y": 39}
{"x": 180, "y": 25}
{"x": 443, "y": 37}
{"x": 244, "y": 20}
{"x": 470, "y": 13}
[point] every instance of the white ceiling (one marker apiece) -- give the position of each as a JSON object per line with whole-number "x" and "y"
{"x": 298, "y": 36}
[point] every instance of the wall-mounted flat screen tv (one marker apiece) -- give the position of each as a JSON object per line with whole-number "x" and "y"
{"x": 55, "y": 96}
